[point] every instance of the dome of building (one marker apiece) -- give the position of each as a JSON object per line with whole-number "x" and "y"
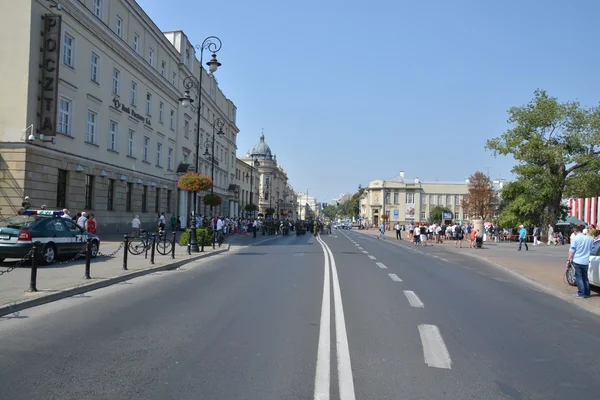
{"x": 261, "y": 150}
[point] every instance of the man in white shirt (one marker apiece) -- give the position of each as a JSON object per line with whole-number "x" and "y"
{"x": 82, "y": 220}
{"x": 398, "y": 230}
{"x": 135, "y": 225}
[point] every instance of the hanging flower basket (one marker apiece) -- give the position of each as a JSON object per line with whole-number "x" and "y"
{"x": 385, "y": 216}
{"x": 260, "y": 215}
{"x": 212, "y": 200}
{"x": 284, "y": 212}
{"x": 251, "y": 207}
{"x": 194, "y": 182}
{"x": 270, "y": 211}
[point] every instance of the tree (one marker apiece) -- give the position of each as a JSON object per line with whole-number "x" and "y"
{"x": 351, "y": 207}
{"x": 556, "y": 146}
{"x": 437, "y": 212}
{"x": 330, "y": 211}
{"x": 481, "y": 200}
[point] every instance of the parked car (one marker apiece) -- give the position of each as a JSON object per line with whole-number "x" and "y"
{"x": 58, "y": 237}
{"x": 593, "y": 268}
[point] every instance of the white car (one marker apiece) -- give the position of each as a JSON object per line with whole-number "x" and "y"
{"x": 593, "y": 268}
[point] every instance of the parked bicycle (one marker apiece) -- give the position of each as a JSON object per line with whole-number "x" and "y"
{"x": 140, "y": 244}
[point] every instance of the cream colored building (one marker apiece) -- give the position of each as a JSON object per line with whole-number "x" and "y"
{"x": 309, "y": 207}
{"x": 406, "y": 200}
{"x": 109, "y": 83}
{"x": 274, "y": 189}
{"x": 247, "y": 178}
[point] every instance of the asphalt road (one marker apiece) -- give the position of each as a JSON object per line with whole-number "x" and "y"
{"x": 282, "y": 321}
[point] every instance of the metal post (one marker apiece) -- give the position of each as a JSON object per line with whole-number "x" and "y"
{"x": 189, "y": 245}
{"x": 202, "y": 244}
{"x": 146, "y": 243}
{"x": 125, "y": 251}
{"x": 153, "y": 248}
{"x": 214, "y": 236}
{"x": 88, "y": 259}
{"x": 34, "y": 267}
{"x": 173, "y": 246}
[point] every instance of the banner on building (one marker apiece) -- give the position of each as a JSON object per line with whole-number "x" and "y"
{"x": 585, "y": 209}
{"x": 410, "y": 211}
{"x": 49, "y": 82}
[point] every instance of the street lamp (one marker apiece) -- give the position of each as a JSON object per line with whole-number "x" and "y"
{"x": 213, "y": 44}
{"x": 217, "y": 123}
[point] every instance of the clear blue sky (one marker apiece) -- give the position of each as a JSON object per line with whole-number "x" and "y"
{"x": 351, "y": 91}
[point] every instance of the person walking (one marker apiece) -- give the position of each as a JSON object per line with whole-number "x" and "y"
{"x": 579, "y": 257}
{"x": 522, "y": 238}
{"x": 397, "y": 228}
{"x": 381, "y": 231}
{"x": 536, "y": 236}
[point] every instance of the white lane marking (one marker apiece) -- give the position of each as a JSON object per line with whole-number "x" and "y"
{"x": 413, "y": 299}
{"x": 381, "y": 265}
{"x": 357, "y": 244}
{"x": 395, "y": 277}
{"x": 366, "y": 252}
{"x": 372, "y": 257}
{"x": 323, "y": 372}
{"x": 360, "y": 248}
{"x": 434, "y": 349}
{"x": 443, "y": 259}
{"x": 345, "y": 379}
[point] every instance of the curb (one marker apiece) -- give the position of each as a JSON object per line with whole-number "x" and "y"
{"x": 69, "y": 292}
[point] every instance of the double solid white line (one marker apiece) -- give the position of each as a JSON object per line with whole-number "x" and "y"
{"x": 344, "y": 366}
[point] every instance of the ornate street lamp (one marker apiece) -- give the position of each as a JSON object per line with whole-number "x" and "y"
{"x": 213, "y": 44}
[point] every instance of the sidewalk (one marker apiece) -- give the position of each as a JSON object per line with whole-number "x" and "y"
{"x": 542, "y": 266}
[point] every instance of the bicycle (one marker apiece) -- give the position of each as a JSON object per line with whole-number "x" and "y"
{"x": 218, "y": 237}
{"x": 163, "y": 245}
{"x": 140, "y": 244}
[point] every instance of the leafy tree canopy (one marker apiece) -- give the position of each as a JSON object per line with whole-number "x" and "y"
{"x": 481, "y": 200}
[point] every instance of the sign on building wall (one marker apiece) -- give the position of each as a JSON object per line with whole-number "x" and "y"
{"x": 410, "y": 211}
{"x": 49, "y": 82}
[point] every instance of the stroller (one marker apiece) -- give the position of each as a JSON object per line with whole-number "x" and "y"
{"x": 479, "y": 241}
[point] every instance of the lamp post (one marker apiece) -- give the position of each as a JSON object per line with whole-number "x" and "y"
{"x": 217, "y": 123}
{"x": 213, "y": 44}
{"x": 256, "y": 164}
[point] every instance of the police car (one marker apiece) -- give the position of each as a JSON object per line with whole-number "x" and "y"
{"x": 58, "y": 237}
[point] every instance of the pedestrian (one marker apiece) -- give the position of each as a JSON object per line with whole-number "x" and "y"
{"x": 398, "y": 231}
{"x": 381, "y": 231}
{"x": 135, "y": 225}
{"x": 458, "y": 235}
{"x": 82, "y": 220}
{"x": 551, "y": 238}
{"x": 173, "y": 222}
{"x": 536, "y": 236}
{"x": 90, "y": 224}
{"x": 522, "y": 238}
{"x": 579, "y": 257}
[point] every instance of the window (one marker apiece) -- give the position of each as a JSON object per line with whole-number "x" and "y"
{"x": 151, "y": 56}
{"x": 186, "y": 128}
{"x": 89, "y": 189}
{"x": 136, "y": 43}
{"x": 145, "y": 200}
{"x": 119, "y": 26}
{"x": 131, "y": 143}
{"x": 116, "y": 81}
{"x": 61, "y": 189}
{"x": 439, "y": 199}
{"x": 456, "y": 200}
{"x": 422, "y": 215}
{"x": 234, "y": 112}
{"x": 133, "y": 93}
{"x": 64, "y": 115}
{"x": 448, "y": 199}
{"x": 97, "y": 8}
{"x": 113, "y": 133}
{"x": 423, "y": 199}
{"x": 148, "y": 103}
{"x": 169, "y": 194}
{"x": 431, "y": 199}
{"x": 159, "y": 154}
{"x": 185, "y": 158}
{"x": 410, "y": 198}
{"x": 110, "y": 195}
{"x": 174, "y": 79}
{"x": 187, "y": 57}
{"x": 94, "y": 67}
{"x": 146, "y": 144}
{"x": 128, "y": 196}
{"x": 172, "y": 121}
{"x": 163, "y": 68}
{"x": 157, "y": 201}
{"x": 170, "y": 160}
{"x": 396, "y": 198}
{"x": 90, "y": 133}
{"x": 69, "y": 50}
{"x": 161, "y": 112}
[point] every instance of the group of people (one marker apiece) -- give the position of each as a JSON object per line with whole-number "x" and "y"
{"x": 421, "y": 233}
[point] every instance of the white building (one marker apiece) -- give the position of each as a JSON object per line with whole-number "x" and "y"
{"x": 109, "y": 83}
{"x": 308, "y": 206}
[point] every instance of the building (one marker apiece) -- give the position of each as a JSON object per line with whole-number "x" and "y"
{"x": 410, "y": 200}
{"x": 585, "y": 209}
{"x": 109, "y": 134}
{"x": 247, "y": 178}
{"x": 308, "y": 206}
{"x": 341, "y": 199}
{"x": 274, "y": 189}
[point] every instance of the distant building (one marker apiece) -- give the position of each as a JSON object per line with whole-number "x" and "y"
{"x": 308, "y": 205}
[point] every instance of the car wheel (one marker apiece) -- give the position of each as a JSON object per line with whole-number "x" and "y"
{"x": 48, "y": 254}
{"x": 570, "y": 276}
{"x": 94, "y": 249}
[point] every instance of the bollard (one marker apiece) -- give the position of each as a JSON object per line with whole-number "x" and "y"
{"x": 153, "y": 248}
{"x": 126, "y": 248}
{"x": 34, "y": 266}
{"x": 203, "y": 236}
{"x": 189, "y": 245}
{"x": 146, "y": 242}
{"x": 214, "y": 237}
{"x": 88, "y": 259}
{"x": 173, "y": 246}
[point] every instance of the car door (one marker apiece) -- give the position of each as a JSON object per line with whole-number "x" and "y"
{"x": 594, "y": 265}
{"x": 78, "y": 236}
{"x": 55, "y": 231}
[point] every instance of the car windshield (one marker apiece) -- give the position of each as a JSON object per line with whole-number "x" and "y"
{"x": 17, "y": 222}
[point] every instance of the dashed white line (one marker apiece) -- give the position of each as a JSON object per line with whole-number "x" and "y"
{"x": 381, "y": 265}
{"x": 443, "y": 259}
{"x": 372, "y": 257}
{"x": 395, "y": 277}
{"x": 360, "y": 248}
{"x": 413, "y": 299}
{"x": 435, "y": 353}
{"x": 366, "y": 252}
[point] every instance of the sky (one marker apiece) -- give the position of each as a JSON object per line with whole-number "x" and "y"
{"x": 349, "y": 91}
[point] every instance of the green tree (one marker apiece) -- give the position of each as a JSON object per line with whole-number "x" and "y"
{"x": 556, "y": 146}
{"x": 330, "y": 211}
{"x": 436, "y": 213}
{"x": 351, "y": 207}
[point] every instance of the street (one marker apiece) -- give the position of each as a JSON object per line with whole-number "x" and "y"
{"x": 282, "y": 320}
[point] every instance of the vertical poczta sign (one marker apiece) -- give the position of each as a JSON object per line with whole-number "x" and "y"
{"x": 50, "y": 62}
